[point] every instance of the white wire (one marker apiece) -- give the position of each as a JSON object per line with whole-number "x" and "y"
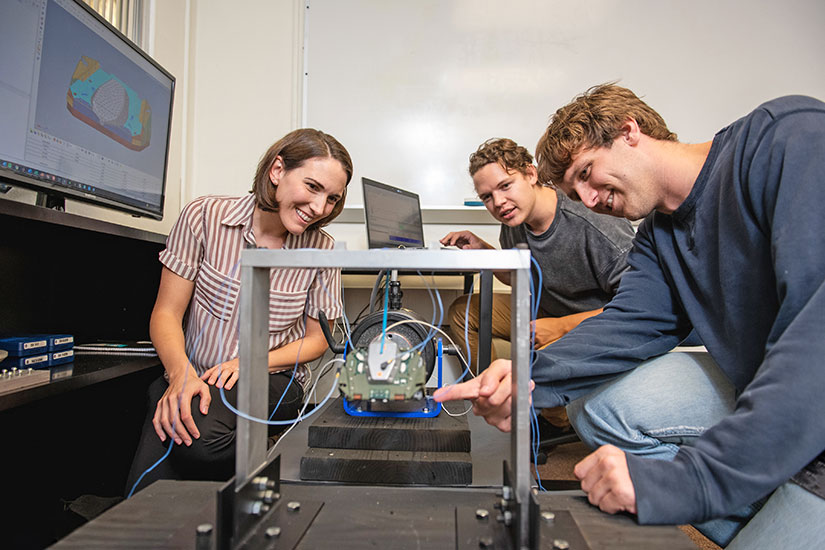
{"x": 271, "y": 451}
{"x": 405, "y": 321}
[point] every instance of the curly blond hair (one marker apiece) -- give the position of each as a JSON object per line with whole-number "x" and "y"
{"x": 506, "y": 152}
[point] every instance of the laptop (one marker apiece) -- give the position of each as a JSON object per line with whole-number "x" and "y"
{"x": 393, "y": 216}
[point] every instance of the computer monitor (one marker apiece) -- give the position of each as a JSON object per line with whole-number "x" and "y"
{"x": 85, "y": 114}
{"x": 393, "y": 216}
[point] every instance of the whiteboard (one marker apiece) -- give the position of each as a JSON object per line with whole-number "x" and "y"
{"x": 411, "y": 88}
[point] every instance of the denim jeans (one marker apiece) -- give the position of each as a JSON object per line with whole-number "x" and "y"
{"x": 670, "y": 401}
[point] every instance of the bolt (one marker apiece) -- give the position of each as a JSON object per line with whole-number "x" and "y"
{"x": 294, "y": 506}
{"x": 548, "y": 516}
{"x": 560, "y": 544}
{"x": 272, "y": 532}
{"x": 260, "y": 483}
{"x": 204, "y": 529}
{"x": 481, "y": 513}
{"x": 270, "y": 496}
{"x": 485, "y": 542}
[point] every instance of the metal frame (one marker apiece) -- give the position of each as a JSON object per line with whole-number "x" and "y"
{"x": 254, "y": 303}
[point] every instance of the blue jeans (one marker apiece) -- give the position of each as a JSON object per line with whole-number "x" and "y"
{"x": 670, "y": 401}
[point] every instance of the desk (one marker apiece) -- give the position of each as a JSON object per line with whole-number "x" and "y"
{"x": 85, "y": 370}
{"x": 165, "y": 515}
{"x": 73, "y": 436}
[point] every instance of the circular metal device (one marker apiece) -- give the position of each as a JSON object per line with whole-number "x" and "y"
{"x": 412, "y": 334}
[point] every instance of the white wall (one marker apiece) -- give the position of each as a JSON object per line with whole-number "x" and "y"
{"x": 412, "y": 88}
{"x": 238, "y": 67}
{"x": 245, "y": 63}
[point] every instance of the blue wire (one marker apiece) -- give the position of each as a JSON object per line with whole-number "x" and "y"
{"x": 299, "y": 418}
{"x": 295, "y": 367}
{"x": 535, "y": 298}
{"x": 384, "y": 320}
{"x": 466, "y": 370}
{"x": 195, "y": 345}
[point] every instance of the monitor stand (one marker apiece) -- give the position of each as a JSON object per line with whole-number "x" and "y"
{"x": 51, "y": 201}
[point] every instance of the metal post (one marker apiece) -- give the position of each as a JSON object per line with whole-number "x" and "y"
{"x": 520, "y": 437}
{"x": 485, "y": 319}
{"x": 253, "y": 387}
{"x": 254, "y": 312}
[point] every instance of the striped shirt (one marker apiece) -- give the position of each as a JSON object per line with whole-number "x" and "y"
{"x": 205, "y": 246}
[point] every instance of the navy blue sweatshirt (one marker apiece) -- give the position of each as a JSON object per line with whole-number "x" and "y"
{"x": 742, "y": 261}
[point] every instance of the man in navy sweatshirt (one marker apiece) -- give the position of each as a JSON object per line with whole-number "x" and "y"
{"x": 733, "y": 246}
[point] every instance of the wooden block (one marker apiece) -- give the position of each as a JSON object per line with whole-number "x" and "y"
{"x": 335, "y": 429}
{"x": 387, "y": 467}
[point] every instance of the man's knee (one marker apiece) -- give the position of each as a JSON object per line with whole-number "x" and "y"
{"x": 590, "y": 421}
{"x": 458, "y": 310}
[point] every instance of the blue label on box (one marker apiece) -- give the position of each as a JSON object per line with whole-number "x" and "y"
{"x": 24, "y": 345}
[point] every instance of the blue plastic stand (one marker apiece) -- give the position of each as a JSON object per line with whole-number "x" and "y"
{"x": 429, "y": 409}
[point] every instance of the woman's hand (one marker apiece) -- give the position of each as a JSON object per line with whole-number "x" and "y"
{"x": 224, "y": 375}
{"x": 173, "y": 414}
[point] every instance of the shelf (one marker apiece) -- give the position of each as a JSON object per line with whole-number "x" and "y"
{"x": 56, "y": 217}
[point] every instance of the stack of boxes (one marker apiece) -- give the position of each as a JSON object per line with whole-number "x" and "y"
{"x": 37, "y": 351}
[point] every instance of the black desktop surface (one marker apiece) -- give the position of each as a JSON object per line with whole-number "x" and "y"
{"x": 85, "y": 370}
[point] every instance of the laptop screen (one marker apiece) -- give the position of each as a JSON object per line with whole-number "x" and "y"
{"x": 393, "y": 216}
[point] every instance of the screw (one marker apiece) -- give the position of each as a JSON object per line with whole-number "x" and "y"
{"x": 485, "y": 542}
{"x": 548, "y": 516}
{"x": 261, "y": 483}
{"x": 294, "y": 506}
{"x": 560, "y": 544}
{"x": 272, "y": 532}
{"x": 481, "y": 513}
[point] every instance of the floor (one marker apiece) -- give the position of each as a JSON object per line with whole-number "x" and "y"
{"x": 560, "y": 465}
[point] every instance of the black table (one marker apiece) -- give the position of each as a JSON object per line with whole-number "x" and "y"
{"x": 71, "y": 436}
{"x": 166, "y": 514}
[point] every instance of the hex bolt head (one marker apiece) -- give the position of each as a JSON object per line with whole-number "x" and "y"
{"x": 204, "y": 529}
{"x": 548, "y": 516}
{"x": 293, "y": 506}
{"x": 560, "y": 544}
{"x": 272, "y": 532}
{"x": 481, "y": 513}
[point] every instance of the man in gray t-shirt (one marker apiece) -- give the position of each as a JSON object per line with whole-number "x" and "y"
{"x": 581, "y": 254}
